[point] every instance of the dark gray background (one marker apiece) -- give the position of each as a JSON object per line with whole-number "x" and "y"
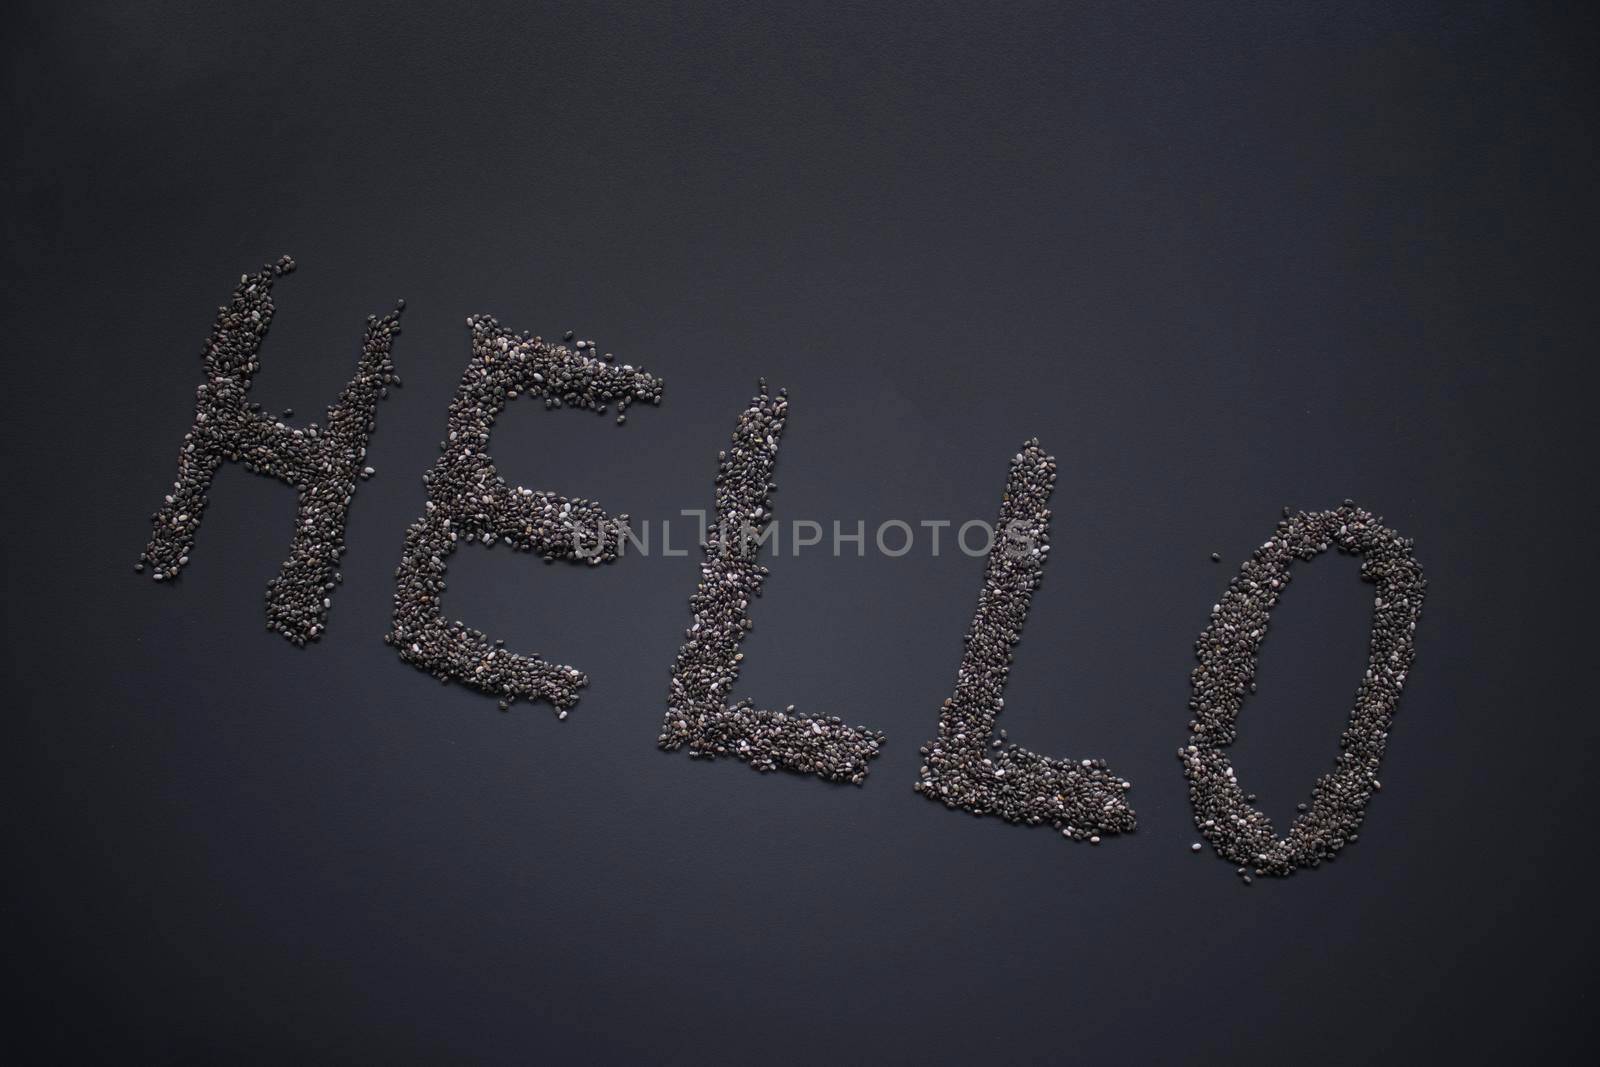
{"x": 1219, "y": 257}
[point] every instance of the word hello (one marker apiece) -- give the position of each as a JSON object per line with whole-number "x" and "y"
{"x": 965, "y": 765}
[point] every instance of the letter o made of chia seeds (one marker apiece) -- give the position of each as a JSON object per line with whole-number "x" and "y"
{"x": 1227, "y": 651}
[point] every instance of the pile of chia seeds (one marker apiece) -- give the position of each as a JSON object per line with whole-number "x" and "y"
{"x": 468, "y": 501}
{"x": 698, "y": 712}
{"x": 1227, "y": 651}
{"x": 966, "y": 766}
{"x": 323, "y": 463}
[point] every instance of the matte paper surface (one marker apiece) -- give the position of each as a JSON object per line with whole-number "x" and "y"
{"x": 1218, "y": 258}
